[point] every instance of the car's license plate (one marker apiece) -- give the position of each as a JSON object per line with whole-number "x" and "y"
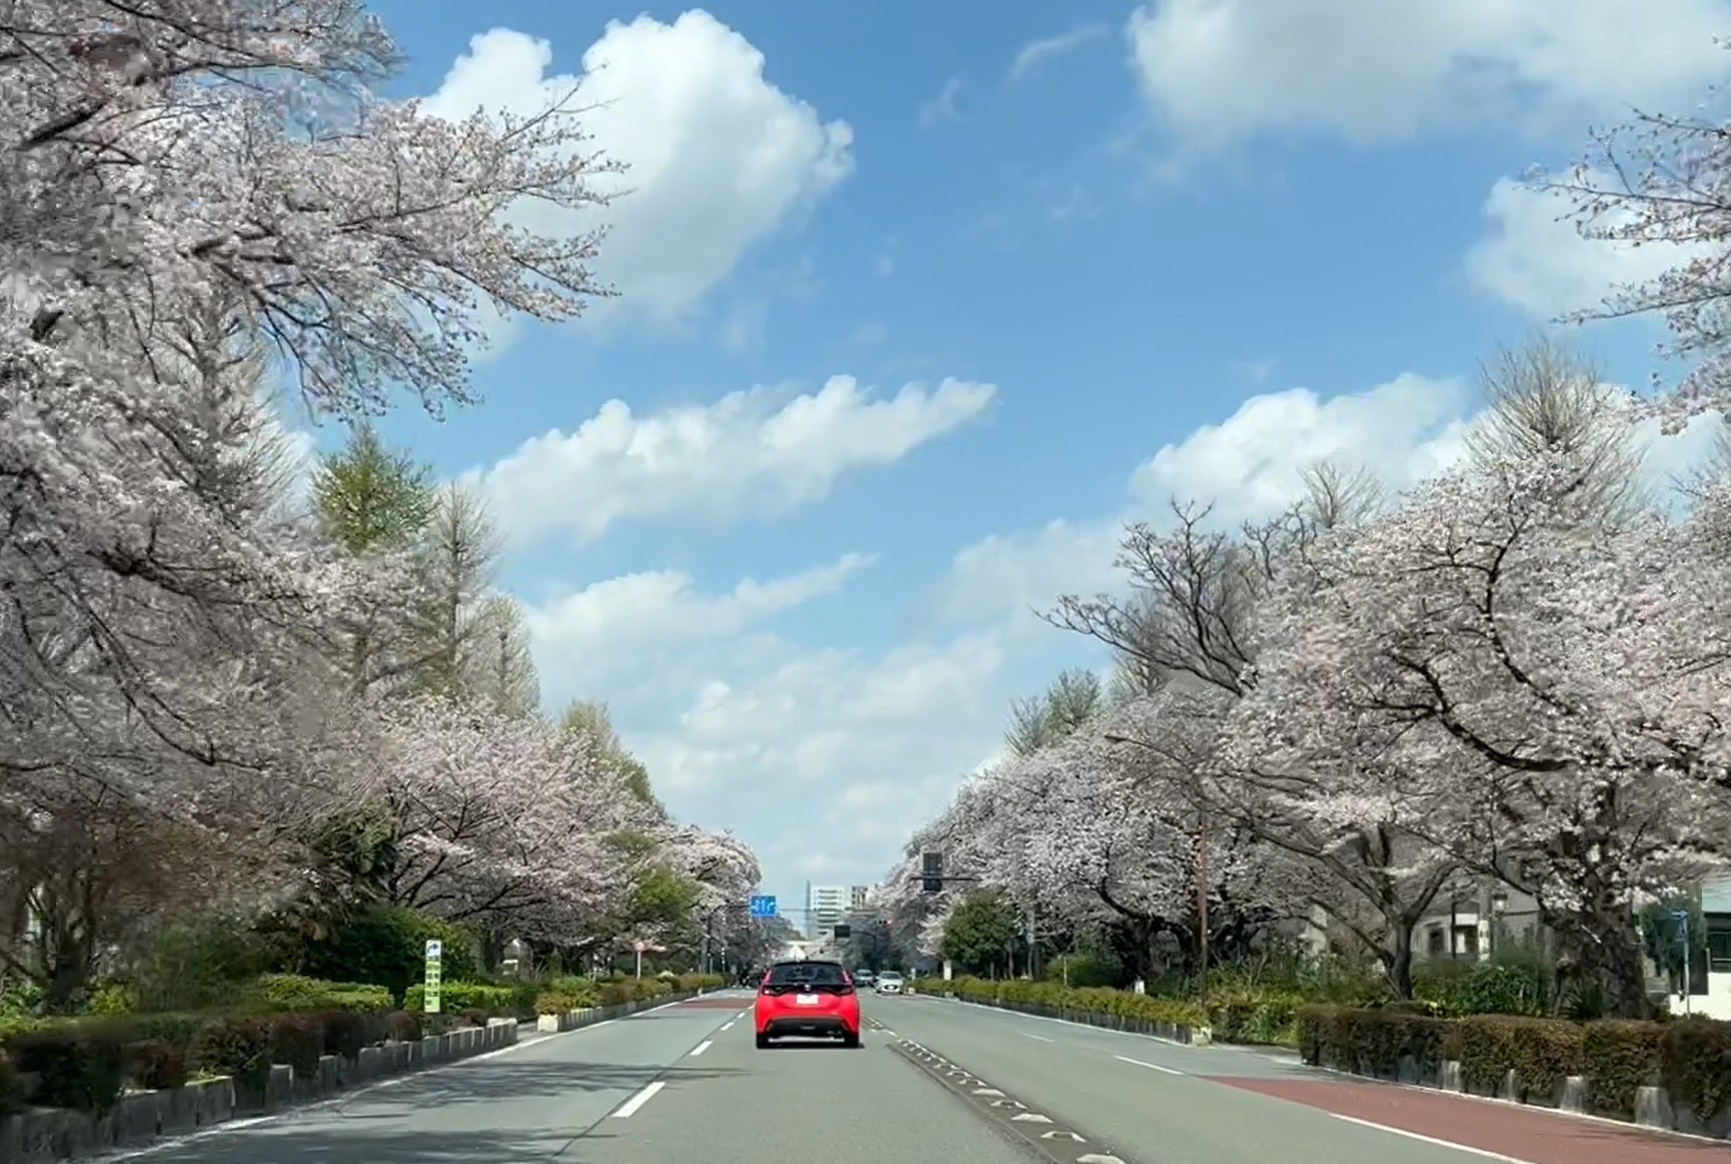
{"x": 806, "y": 999}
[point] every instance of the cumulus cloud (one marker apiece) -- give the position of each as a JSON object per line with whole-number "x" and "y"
{"x": 1249, "y": 467}
{"x": 1534, "y": 260}
{"x": 755, "y": 450}
{"x": 1216, "y": 72}
{"x": 1251, "y": 464}
{"x": 734, "y": 720}
{"x": 661, "y": 608}
{"x": 719, "y": 157}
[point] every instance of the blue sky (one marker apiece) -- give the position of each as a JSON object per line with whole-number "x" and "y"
{"x": 1074, "y": 258}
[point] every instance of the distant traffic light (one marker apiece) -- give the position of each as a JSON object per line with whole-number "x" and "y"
{"x": 932, "y": 875}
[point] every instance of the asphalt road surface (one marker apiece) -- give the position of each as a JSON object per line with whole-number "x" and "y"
{"x": 936, "y": 1080}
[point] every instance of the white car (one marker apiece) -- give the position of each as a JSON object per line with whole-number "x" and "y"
{"x": 889, "y": 983}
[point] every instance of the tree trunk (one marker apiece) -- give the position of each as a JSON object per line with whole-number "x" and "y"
{"x": 1398, "y": 959}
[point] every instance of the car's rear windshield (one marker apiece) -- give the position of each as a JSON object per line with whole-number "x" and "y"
{"x": 817, "y": 973}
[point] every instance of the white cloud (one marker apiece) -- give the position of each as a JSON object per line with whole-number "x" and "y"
{"x": 824, "y": 759}
{"x": 1216, "y": 72}
{"x": 1250, "y": 464}
{"x": 1535, "y": 260}
{"x": 1011, "y": 575}
{"x": 1250, "y": 467}
{"x": 754, "y": 451}
{"x": 827, "y": 759}
{"x": 1037, "y": 52}
{"x": 943, "y": 107}
{"x": 720, "y": 159}
{"x": 662, "y": 608}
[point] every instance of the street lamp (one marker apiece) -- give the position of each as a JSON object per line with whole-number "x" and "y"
{"x": 1201, "y": 864}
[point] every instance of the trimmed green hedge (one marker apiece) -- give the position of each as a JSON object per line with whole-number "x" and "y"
{"x": 85, "y": 1063}
{"x": 1088, "y": 1000}
{"x": 1689, "y": 1057}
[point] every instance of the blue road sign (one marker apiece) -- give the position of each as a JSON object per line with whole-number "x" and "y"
{"x": 762, "y": 905}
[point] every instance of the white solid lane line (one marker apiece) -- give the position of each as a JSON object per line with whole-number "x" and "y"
{"x": 1484, "y": 1153}
{"x": 1150, "y": 1066}
{"x": 700, "y": 1048}
{"x": 629, "y": 1108}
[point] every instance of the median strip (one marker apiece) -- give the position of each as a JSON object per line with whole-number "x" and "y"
{"x": 1008, "y": 1115}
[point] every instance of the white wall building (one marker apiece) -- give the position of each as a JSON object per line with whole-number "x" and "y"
{"x": 825, "y": 906}
{"x": 1708, "y": 991}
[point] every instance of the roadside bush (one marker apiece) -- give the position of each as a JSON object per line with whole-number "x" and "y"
{"x": 113, "y": 998}
{"x": 297, "y": 1040}
{"x": 234, "y": 1045}
{"x": 1690, "y": 1058}
{"x": 11, "y": 1088}
{"x": 1083, "y": 970}
{"x": 1255, "y": 1017}
{"x": 385, "y": 945}
{"x": 346, "y": 1032}
{"x": 298, "y": 992}
{"x": 1541, "y": 1053}
{"x": 1502, "y": 987}
{"x": 404, "y": 1026}
{"x": 74, "y": 1064}
{"x": 1695, "y": 1066}
{"x": 460, "y": 997}
{"x": 628, "y": 990}
{"x": 1620, "y": 1057}
{"x": 155, "y": 1064}
{"x": 1371, "y": 1040}
{"x": 1088, "y": 1000}
{"x": 193, "y": 963}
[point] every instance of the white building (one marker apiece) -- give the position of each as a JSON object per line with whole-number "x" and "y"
{"x": 825, "y": 906}
{"x": 1708, "y": 991}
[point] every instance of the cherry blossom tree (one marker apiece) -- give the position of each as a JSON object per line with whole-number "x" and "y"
{"x": 184, "y": 184}
{"x": 497, "y": 819}
{"x": 1527, "y": 688}
{"x": 723, "y": 867}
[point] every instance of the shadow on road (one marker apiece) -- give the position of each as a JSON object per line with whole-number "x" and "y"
{"x": 327, "y": 1144}
{"x": 507, "y": 1081}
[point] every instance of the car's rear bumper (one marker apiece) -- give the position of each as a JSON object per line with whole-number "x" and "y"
{"x": 809, "y": 1026}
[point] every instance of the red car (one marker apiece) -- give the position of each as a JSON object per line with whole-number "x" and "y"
{"x": 813, "y": 1000}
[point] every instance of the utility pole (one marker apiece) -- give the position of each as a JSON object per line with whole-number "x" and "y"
{"x": 1033, "y": 941}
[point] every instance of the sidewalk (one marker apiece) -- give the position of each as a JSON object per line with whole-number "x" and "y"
{"x": 1510, "y": 1132}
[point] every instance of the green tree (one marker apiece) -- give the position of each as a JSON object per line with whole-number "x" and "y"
{"x": 1040, "y": 721}
{"x": 458, "y": 557}
{"x": 373, "y": 502}
{"x": 980, "y": 935}
{"x": 500, "y": 667}
{"x": 592, "y": 718}
{"x": 370, "y": 498}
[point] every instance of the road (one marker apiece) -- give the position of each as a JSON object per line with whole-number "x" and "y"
{"x": 685, "y": 1082}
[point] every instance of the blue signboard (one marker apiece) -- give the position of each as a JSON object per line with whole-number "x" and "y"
{"x": 762, "y": 905}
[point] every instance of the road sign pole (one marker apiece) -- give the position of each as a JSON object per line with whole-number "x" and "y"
{"x": 433, "y": 976}
{"x": 1681, "y": 917}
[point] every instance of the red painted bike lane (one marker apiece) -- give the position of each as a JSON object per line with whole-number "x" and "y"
{"x": 1499, "y": 1130}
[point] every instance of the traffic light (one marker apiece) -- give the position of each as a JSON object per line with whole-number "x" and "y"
{"x": 932, "y": 876}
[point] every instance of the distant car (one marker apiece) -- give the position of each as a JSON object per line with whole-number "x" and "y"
{"x": 889, "y": 982}
{"x": 807, "y": 999}
{"x": 864, "y": 979}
